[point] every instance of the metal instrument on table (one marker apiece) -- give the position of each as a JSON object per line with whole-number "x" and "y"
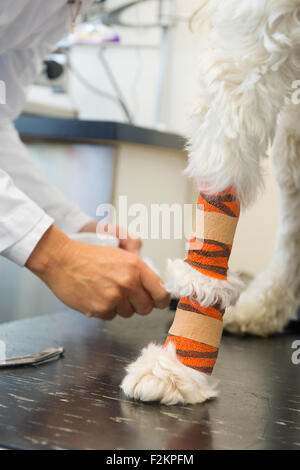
{"x": 34, "y": 359}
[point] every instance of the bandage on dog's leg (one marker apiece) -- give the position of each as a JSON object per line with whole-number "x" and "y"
{"x": 197, "y": 330}
{"x": 179, "y": 371}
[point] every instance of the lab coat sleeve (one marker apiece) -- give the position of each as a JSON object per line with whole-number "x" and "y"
{"x": 22, "y": 222}
{"x": 15, "y": 160}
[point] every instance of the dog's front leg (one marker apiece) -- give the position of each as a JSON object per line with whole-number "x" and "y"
{"x": 179, "y": 371}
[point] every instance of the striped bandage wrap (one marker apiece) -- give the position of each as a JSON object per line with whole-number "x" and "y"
{"x": 197, "y": 330}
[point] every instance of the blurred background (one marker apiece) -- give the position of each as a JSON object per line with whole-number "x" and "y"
{"x": 137, "y": 52}
{"x": 123, "y": 85}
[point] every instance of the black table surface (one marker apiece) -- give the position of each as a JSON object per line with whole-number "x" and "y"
{"x": 76, "y": 403}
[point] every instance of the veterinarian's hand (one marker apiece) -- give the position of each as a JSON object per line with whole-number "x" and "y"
{"x": 98, "y": 281}
{"x": 127, "y": 241}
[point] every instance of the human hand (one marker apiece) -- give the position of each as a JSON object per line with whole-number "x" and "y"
{"x": 127, "y": 241}
{"x": 99, "y": 281}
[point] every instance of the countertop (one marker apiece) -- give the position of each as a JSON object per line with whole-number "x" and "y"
{"x": 76, "y": 403}
{"x": 37, "y": 127}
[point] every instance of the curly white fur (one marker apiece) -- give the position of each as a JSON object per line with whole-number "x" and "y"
{"x": 264, "y": 308}
{"x": 184, "y": 281}
{"x": 273, "y": 297}
{"x": 246, "y": 71}
{"x": 157, "y": 375}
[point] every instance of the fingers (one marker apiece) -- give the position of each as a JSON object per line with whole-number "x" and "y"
{"x": 127, "y": 242}
{"x": 141, "y": 301}
{"x": 153, "y": 284}
{"x": 108, "y": 316}
{"x": 133, "y": 245}
{"x": 125, "y": 309}
{"x": 90, "y": 227}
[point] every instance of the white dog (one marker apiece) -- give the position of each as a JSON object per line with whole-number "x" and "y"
{"x": 248, "y": 70}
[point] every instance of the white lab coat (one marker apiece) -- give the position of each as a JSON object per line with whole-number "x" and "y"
{"x": 29, "y": 30}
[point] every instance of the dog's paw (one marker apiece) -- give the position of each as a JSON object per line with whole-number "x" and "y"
{"x": 263, "y": 309}
{"x": 157, "y": 375}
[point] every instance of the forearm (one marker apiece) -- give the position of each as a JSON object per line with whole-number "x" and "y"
{"x": 46, "y": 255}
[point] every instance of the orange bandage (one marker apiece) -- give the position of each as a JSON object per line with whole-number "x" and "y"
{"x": 197, "y": 330}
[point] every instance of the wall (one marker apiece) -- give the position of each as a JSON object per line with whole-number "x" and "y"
{"x": 137, "y": 70}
